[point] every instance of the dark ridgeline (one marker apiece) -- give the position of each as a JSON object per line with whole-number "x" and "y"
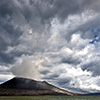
{"x": 25, "y": 86}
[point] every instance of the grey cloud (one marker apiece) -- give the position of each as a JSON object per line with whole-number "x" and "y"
{"x": 91, "y": 4}
{"x": 87, "y": 28}
{"x": 16, "y": 14}
{"x": 51, "y": 77}
{"x": 63, "y": 82}
{"x": 71, "y": 60}
{"x": 5, "y": 58}
{"x": 55, "y": 35}
{"x": 9, "y": 32}
{"x": 45, "y": 72}
{"x": 66, "y": 8}
{"x": 93, "y": 65}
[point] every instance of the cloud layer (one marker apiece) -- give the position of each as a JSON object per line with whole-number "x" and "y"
{"x": 53, "y": 40}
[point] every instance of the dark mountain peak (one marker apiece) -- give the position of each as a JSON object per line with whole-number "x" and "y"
{"x": 24, "y": 83}
{"x": 22, "y": 79}
{"x": 30, "y": 87}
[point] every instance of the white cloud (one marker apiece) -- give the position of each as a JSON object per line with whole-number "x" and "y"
{"x": 55, "y": 43}
{"x": 5, "y": 74}
{"x": 26, "y": 68}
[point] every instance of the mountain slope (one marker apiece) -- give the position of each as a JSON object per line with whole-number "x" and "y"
{"x": 24, "y": 86}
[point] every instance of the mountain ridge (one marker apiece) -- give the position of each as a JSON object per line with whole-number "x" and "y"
{"x": 26, "y": 86}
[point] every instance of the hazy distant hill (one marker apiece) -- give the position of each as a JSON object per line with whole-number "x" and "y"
{"x": 24, "y": 86}
{"x": 96, "y": 94}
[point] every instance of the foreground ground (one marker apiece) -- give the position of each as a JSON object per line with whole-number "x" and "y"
{"x": 49, "y": 97}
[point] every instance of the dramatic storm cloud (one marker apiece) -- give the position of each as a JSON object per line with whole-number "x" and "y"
{"x": 53, "y": 40}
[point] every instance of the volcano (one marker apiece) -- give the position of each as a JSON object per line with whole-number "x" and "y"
{"x": 24, "y": 86}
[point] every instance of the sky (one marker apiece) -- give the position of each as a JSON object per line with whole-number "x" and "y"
{"x": 57, "y": 41}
